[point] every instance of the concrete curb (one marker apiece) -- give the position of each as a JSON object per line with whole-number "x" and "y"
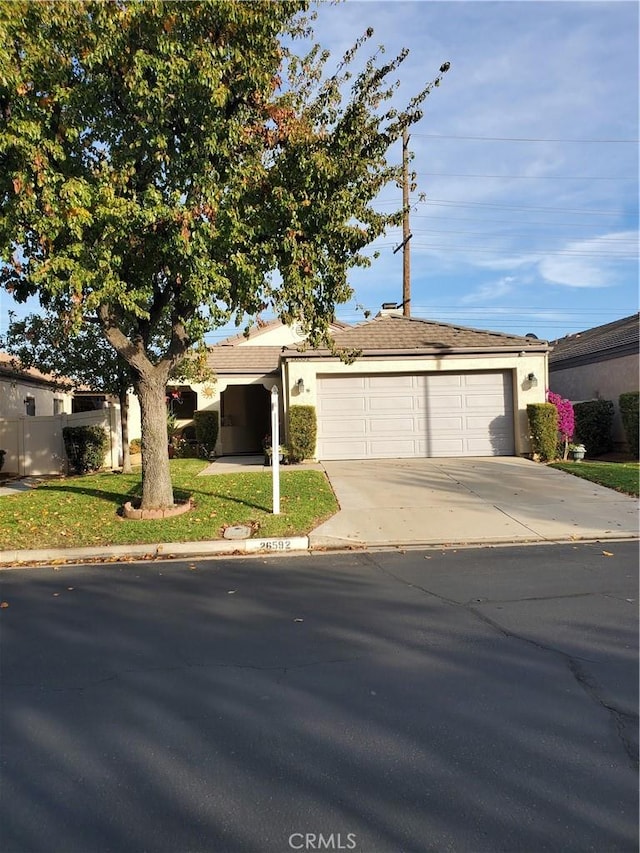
{"x": 16, "y": 559}
{"x": 222, "y": 547}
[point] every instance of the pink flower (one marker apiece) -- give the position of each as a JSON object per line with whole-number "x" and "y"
{"x": 566, "y": 424}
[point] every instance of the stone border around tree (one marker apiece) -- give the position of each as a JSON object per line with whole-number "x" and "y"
{"x": 137, "y": 514}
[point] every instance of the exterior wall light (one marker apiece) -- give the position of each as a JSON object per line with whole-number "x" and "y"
{"x": 532, "y": 379}
{"x": 300, "y": 385}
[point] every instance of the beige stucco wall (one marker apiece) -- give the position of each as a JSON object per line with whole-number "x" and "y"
{"x": 277, "y": 336}
{"x": 604, "y": 380}
{"x": 524, "y": 391}
{"x": 209, "y": 399}
{"x": 14, "y": 392}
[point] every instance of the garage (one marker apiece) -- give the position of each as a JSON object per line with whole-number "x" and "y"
{"x": 422, "y": 414}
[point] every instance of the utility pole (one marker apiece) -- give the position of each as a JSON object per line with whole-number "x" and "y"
{"x": 406, "y": 235}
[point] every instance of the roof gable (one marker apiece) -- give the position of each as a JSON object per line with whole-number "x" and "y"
{"x": 273, "y": 333}
{"x": 258, "y": 352}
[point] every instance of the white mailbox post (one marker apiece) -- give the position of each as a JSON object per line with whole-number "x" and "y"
{"x": 275, "y": 449}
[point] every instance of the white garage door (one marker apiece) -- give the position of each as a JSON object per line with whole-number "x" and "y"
{"x": 399, "y": 416}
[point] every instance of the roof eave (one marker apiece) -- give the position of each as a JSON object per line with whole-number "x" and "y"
{"x": 415, "y": 353}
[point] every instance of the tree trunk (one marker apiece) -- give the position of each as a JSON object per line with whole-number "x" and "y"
{"x": 157, "y": 492}
{"x": 124, "y": 430}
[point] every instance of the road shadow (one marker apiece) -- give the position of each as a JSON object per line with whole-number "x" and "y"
{"x": 225, "y": 706}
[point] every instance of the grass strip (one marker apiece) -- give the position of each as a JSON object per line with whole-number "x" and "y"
{"x": 80, "y": 511}
{"x": 621, "y": 476}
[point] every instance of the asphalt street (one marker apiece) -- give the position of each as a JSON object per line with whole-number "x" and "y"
{"x": 427, "y": 700}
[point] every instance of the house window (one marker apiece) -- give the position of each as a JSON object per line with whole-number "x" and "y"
{"x": 87, "y": 403}
{"x": 58, "y": 406}
{"x": 182, "y": 402}
{"x": 30, "y": 406}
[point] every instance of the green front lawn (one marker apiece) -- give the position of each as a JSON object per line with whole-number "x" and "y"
{"x": 621, "y": 476}
{"x": 78, "y": 511}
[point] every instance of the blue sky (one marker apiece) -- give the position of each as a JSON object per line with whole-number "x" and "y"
{"x": 527, "y": 154}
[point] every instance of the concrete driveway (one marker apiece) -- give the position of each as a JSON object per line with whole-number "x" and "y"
{"x": 460, "y": 501}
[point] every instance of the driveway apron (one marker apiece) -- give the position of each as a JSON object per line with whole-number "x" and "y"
{"x": 465, "y": 501}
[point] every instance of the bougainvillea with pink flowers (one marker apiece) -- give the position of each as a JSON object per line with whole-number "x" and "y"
{"x": 566, "y": 424}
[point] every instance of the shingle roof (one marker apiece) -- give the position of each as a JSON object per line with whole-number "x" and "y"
{"x": 227, "y": 358}
{"x": 388, "y": 334}
{"x": 10, "y": 366}
{"x": 395, "y": 333}
{"x": 605, "y": 341}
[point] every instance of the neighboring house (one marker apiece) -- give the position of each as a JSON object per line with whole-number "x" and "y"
{"x": 29, "y": 392}
{"x": 418, "y": 388}
{"x": 598, "y": 364}
{"x": 34, "y": 409}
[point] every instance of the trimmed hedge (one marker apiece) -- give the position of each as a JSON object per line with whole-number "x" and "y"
{"x": 207, "y": 425}
{"x": 86, "y": 447}
{"x": 594, "y": 425}
{"x": 543, "y": 429}
{"x": 303, "y": 430}
{"x": 630, "y": 420}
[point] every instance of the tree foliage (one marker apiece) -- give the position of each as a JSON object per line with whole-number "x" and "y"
{"x": 166, "y": 166}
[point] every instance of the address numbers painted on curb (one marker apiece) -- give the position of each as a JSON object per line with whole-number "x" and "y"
{"x": 295, "y": 543}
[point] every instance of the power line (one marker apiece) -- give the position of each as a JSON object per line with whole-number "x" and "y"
{"x": 519, "y": 250}
{"x": 525, "y": 139}
{"x": 585, "y": 211}
{"x": 614, "y": 240}
{"x": 443, "y": 202}
{"x": 503, "y": 221}
{"x": 525, "y": 177}
{"x": 577, "y": 312}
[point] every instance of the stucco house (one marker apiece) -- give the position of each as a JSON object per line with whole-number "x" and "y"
{"x": 28, "y": 392}
{"x": 417, "y": 388}
{"x": 32, "y": 408}
{"x": 599, "y": 363}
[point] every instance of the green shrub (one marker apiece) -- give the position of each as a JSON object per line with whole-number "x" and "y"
{"x": 86, "y": 447}
{"x": 206, "y": 424}
{"x": 543, "y": 429}
{"x": 183, "y": 449}
{"x": 594, "y": 423}
{"x": 630, "y": 420}
{"x": 135, "y": 445}
{"x": 302, "y": 433}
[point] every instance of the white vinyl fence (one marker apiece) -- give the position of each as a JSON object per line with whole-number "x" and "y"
{"x": 34, "y": 445}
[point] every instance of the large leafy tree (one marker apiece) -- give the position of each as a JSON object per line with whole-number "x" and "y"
{"x": 165, "y": 166}
{"x": 84, "y": 356}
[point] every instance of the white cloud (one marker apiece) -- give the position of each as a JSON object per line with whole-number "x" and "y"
{"x": 488, "y": 292}
{"x": 592, "y": 263}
